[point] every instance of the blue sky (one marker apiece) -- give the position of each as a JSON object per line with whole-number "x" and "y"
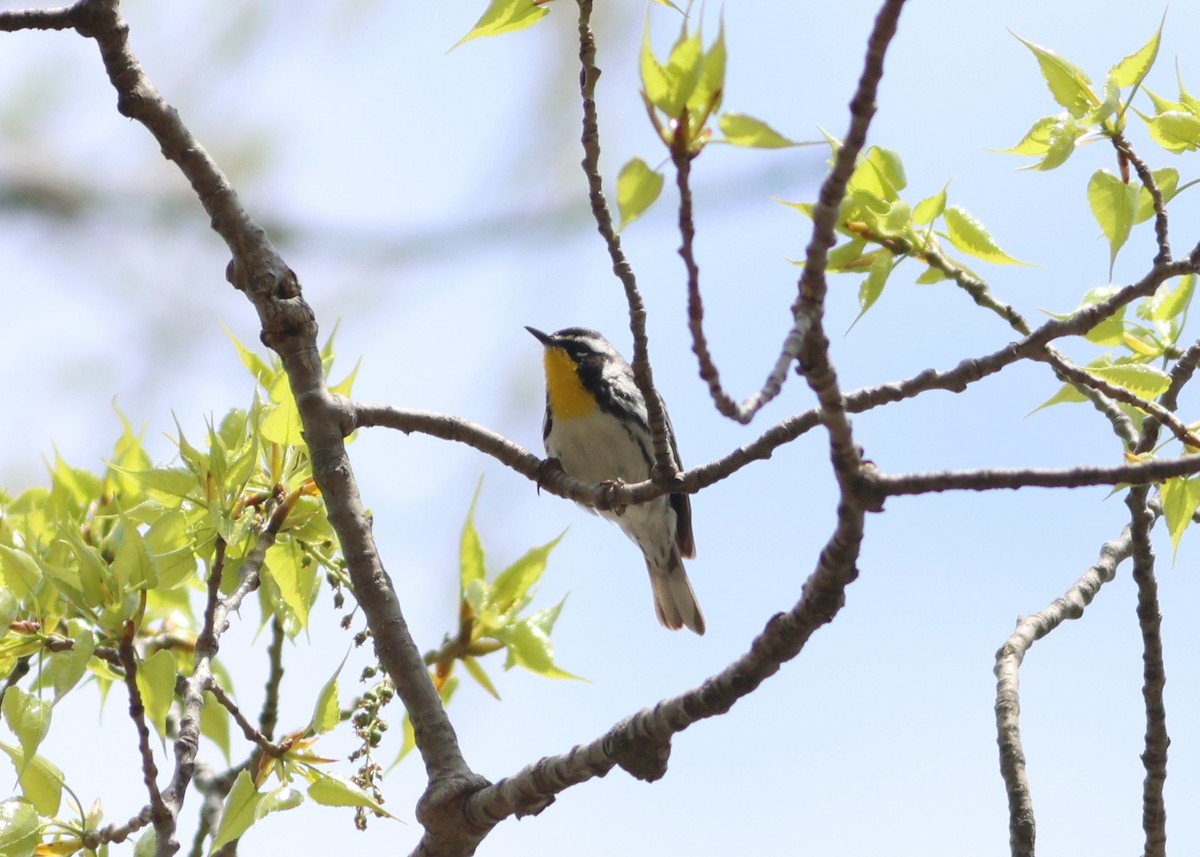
{"x": 434, "y": 204}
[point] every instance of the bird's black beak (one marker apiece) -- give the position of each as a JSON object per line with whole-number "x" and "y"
{"x": 543, "y": 338}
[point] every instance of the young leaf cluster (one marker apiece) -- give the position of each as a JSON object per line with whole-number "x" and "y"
{"x": 493, "y": 616}
{"x": 882, "y": 229}
{"x": 681, "y": 95}
{"x": 97, "y": 568}
{"x": 1117, "y": 203}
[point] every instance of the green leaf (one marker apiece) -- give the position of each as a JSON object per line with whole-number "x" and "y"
{"x": 707, "y": 95}
{"x": 332, "y": 790}
{"x": 872, "y": 287}
{"x": 476, "y": 672}
{"x": 170, "y": 543}
{"x": 1052, "y": 138}
{"x": 281, "y": 422}
{"x": 147, "y": 844}
{"x": 1066, "y": 393}
{"x": 156, "y": 683}
{"x": 1176, "y": 131}
{"x": 655, "y": 84}
{"x": 742, "y": 130}
{"x": 511, "y": 586}
{"x": 19, "y": 572}
{"x": 64, "y": 669}
{"x": 930, "y": 276}
{"x": 471, "y": 557}
{"x": 930, "y": 208}
{"x": 684, "y": 65}
{"x": 133, "y": 567}
{"x": 10, "y": 608}
{"x": 1111, "y": 330}
{"x": 529, "y": 646}
{"x": 845, "y": 257}
{"x": 505, "y": 16}
{"x": 1168, "y": 303}
{"x": 20, "y": 828}
{"x": 1114, "y": 205}
{"x": 969, "y": 235}
{"x": 29, "y": 719}
{"x": 326, "y": 713}
{"x": 638, "y": 187}
{"x": 1068, "y": 83}
{"x": 1132, "y": 70}
{"x": 294, "y": 580}
{"x": 1138, "y": 378}
{"x": 41, "y": 781}
{"x": 258, "y": 367}
{"x": 1180, "y": 499}
{"x": 240, "y": 810}
{"x": 170, "y": 485}
{"x": 283, "y": 798}
{"x": 214, "y": 724}
{"x": 1167, "y": 179}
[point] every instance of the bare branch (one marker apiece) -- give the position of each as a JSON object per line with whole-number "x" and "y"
{"x": 252, "y": 734}
{"x": 809, "y": 308}
{"x": 643, "y": 375}
{"x": 1154, "y": 758}
{"x": 269, "y": 715}
{"x": 164, "y": 822}
{"x": 1029, "y": 630}
{"x": 1140, "y": 473}
{"x": 36, "y": 19}
{"x": 118, "y": 833}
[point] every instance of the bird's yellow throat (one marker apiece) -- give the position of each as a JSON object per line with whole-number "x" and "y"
{"x": 569, "y": 399}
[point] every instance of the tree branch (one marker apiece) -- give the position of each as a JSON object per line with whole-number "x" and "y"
{"x": 288, "y": 327}
{"x": 1154, "y": 758}
{"x": 809, "y": 308}
{"x": 664, "y": 470}
{"x": 640, "y": 744}
{"x": 36, "y": 19}
{"x": 164, "y": 821}
{"x": 1029, "y": 630}
{"x": 1140, "y": 473}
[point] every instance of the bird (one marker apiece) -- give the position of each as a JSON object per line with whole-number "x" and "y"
{"x": 596, "y": 427}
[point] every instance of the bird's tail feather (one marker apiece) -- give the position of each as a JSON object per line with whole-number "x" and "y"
{"x": 674, "y": 601}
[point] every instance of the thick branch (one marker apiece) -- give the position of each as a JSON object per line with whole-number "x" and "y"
{"x": 809, "y": 308}
{"x": 1029, "y": 630}
{"x": 641, "y": 743}
{"x": 1154, "y": 757}
{"x": 288, "y": 326}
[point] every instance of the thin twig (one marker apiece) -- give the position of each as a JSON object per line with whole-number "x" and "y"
{"x": 269, "y": 715}
{"x": 248, "y": 729}
{"x": 1146, "y": 177}
{"x": 163, "y": 817}
{"x": 118, "y": 833}
{"x": 1138, "y": 473}
{"x": 664, "y": 464}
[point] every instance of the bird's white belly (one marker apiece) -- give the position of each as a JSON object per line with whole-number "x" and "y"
{"x": 597, "y": 448}
{"x": 593, "y": 449}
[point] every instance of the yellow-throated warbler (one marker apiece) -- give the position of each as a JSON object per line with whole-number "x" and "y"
{"x": 597, "y": 428}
